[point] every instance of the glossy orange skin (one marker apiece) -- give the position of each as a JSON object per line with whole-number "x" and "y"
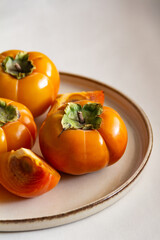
{"x": 114, "y": 133}
{"x": 72, "y": 151}
{"x": 82, "y": 151}
{"x": 38, "y": 90}
{"x": 20, "y": 133}
{"x": 41, "y": 179}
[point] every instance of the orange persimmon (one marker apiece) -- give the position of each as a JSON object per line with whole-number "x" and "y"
{"x": 29, "y": 78}
{"x": 25, "y": 174}
{"x": 84, "y": 137}
{"x": 17, "y": 126}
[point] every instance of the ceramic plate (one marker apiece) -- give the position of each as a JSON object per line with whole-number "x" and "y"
{"x": 77, "y": 197}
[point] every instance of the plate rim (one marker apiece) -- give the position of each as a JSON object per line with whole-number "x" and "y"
{"x": 114, "y": 193}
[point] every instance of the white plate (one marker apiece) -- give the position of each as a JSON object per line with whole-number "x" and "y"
{"x": 77, "y": 197}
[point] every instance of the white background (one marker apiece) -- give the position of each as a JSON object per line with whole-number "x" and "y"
{"x": 115, "y": 42}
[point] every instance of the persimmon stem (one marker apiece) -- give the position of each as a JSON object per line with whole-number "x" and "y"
{"x": 18, "y": 67}
{"x": 80, "y": 117}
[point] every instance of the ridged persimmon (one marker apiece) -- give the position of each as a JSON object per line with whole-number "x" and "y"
{"x": 30, "y": 78}
{"x": 83, "y": 137}
{"x": 17, "y": 126}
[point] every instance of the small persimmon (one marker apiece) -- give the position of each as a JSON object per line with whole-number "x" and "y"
{"x": 30, "y": 78}
{"x": 17, "y": 126}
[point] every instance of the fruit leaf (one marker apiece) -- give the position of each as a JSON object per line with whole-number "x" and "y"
{"x": 8, "y": 113}
{"x": 85, "y": 118}
{"x": 72, "y": 109}
{"x": 19, "y": 67}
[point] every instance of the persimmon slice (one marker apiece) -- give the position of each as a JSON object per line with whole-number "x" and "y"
{"x": 25, "y": 174}
{"x": 62, "y": 99}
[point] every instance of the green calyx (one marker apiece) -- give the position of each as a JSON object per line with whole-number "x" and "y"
{"x": 8, "y": 113}
{"x": 19, "y": 67}
{"x": 78, "y": 117}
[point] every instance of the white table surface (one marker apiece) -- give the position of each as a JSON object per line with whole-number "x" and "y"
{"x": 118, "y": 43}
